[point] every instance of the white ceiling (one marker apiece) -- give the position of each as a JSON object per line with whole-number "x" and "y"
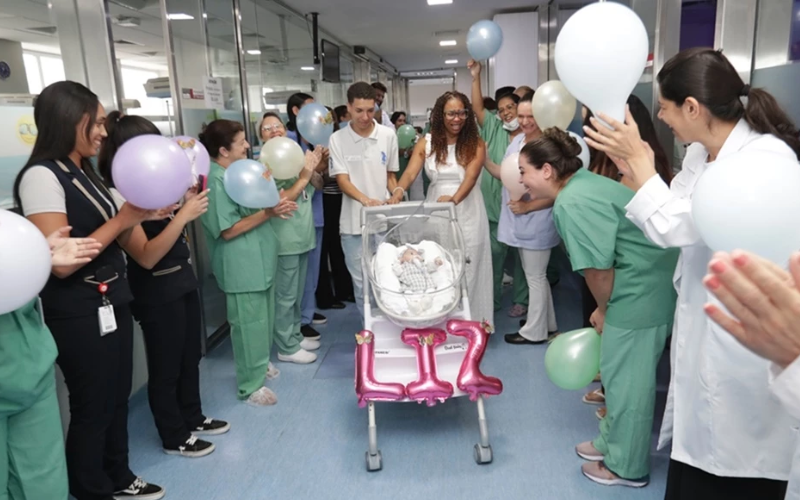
{"x": 403, "y": 31}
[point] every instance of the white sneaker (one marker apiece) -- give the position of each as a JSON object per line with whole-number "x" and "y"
{"x": 301, "y": 357}
{"x": 262, "y": 397}
{"x": 272, "y": 372}
{"x": 309, "y": 345}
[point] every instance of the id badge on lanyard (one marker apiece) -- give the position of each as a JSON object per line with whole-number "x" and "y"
{"x": 105, "y": 314}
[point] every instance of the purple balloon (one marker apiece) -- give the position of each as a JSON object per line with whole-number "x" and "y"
{"x": 194, "y": 149}
{"x": 151, "y": 172}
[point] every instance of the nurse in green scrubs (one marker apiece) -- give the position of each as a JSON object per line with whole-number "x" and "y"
{"x": 244, "y": 259}
{"x": 498, "y": 131}
{"x": 296, "y": 238}
{"x": 32, "y": 461}
{"x": 631, "y": 279}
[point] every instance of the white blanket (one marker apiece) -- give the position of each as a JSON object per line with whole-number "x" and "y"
{"x": 414, "y": 305}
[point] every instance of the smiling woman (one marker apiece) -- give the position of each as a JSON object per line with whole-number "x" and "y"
{"x": 58, "y": 187}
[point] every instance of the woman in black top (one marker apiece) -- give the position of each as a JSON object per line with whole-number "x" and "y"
{"x": 86, "y": 306}
{"x": 167, "y": 306}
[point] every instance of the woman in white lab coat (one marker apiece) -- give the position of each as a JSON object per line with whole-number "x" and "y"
{"x": 764, "y": 305}
{"x": 730, "y": 437}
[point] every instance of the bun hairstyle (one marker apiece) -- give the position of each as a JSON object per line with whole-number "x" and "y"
{"x": 557, "y": 148}
{"x": 709, "y": 77}
{"x": 120, "y": 129}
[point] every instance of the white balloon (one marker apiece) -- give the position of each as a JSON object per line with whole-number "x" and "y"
{"x": 24, "y": 261}
{"x": 600, "y": 55}
{"x": 584, "y": 156}
{"x": 749, "y": 201}
{"x": 553, "y": 106}
{"x": 510, "y": 176}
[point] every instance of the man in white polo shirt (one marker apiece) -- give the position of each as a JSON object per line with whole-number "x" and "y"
{"x": 364, "y": 161}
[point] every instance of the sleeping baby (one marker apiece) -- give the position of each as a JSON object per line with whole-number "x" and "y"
{"x": 413, "y": 272}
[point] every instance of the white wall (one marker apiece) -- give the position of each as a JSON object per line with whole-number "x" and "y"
{"x": 517, "y": 63}
{"x": 423, "y": 96}
{"x": 11, "y": 54}
{"x": 464, "y": 82}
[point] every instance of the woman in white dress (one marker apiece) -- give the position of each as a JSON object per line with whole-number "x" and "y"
{"x": 453, "y": 155}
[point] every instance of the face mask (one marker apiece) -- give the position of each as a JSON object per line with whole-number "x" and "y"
{"x": 511, "y": 126}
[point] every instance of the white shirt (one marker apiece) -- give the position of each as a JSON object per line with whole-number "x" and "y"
{"x": 720, "y": 413}
{"x": 785, "y": 385}
{"x": 366, "y": 160}
{"x": 41, "y": 192}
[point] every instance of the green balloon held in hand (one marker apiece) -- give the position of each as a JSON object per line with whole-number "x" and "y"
{"x": 573, "y": 359}
{"x": 405, "y": 136}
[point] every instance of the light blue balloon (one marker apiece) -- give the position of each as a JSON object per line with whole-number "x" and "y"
{"x": 484, "y": 39}
{"x": 315, "y": 124}
{"x": 246, "y": 184}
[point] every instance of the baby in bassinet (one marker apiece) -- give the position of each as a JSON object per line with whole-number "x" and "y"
{"x": 414, "y": 273}
{"x": 414, "y": 280}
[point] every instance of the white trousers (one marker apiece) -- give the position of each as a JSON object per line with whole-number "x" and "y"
{"x": 541, "y": 314}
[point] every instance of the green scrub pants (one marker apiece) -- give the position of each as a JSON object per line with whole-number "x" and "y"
{"x": 628, "y": 360}
{"x": 251, "y": 317}
{"x": 32, "y": 461}
{"x": 499, "y": 254}
{"x": 290, "y": 282}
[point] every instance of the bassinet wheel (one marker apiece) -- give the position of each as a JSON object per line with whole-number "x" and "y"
{"x": 374, "y": 462}
{"x": 482, "y": 455}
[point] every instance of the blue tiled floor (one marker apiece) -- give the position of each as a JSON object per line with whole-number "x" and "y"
{"x": 311, "y": 444}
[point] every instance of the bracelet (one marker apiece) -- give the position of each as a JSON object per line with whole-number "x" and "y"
{"x": 398, "y": 187}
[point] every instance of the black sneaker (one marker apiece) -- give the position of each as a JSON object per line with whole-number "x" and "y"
{"x": 139, "y": 490}
{"x": 319, "y": 319}
{"x": 192, "y": 448}
{"x": 309, "y": 333}
{"x": 212, "y": 427}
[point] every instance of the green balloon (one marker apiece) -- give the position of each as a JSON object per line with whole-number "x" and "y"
{"x": 573, "y": 359}
{"x": 405, "y": 136}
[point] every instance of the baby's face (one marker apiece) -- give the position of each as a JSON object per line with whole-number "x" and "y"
{"x": 409, "y": 255}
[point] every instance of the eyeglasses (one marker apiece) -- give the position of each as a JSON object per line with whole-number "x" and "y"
{"x": 460, "y": 113}
{"x": 272, "y": 128}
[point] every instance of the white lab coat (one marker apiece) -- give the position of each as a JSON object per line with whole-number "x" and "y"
{"x": 720, "y": 414}
{"x": 785, "y": 385}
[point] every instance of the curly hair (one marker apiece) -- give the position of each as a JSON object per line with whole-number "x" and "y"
{"x": 468, "y": 139}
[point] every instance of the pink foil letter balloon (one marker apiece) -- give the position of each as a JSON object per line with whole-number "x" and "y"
{"x": 428, "y": 387}
{"x": 367, "y": 388}
{"x": 470, "y": 378}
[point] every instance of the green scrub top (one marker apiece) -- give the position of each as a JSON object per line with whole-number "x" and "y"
{"x": 296, "y": 235}
{"x": 497, "y": 141}
{"x": 27, "y": 354}
{"x": 248, "y": 262}
{"x": 589, "y": 214}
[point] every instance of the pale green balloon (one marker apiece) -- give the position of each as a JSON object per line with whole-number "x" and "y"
{"x": 553, "y": 106}
{"x": 573, "y": 359}
{"x": 284, "y": 158}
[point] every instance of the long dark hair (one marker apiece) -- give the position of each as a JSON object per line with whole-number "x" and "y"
{"x": 601, "y": 164}
{"x": 709, "y": 77}
{"x": 557, "y": 148}
{"x": 219, "y": 134}
{"x": 57, "y": 112}
{"x": 295, "y": 101}
{"x": 468, "y": 139}
{"x": 121, "y": 128}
